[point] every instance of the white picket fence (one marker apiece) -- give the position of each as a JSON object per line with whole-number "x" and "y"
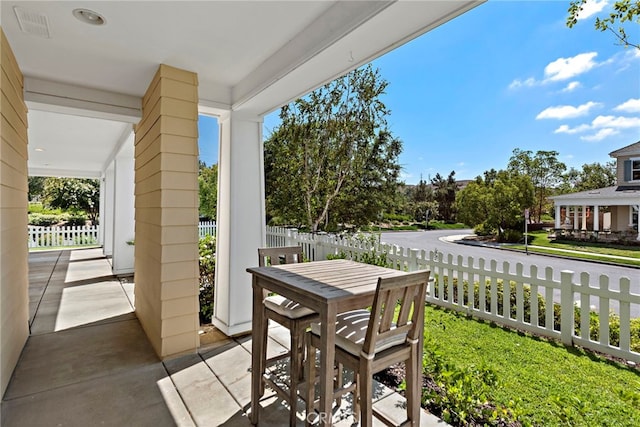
{"x": 206, "y": 228}
{"x": 492, "y": 283}
{"x": 50, "y": 237}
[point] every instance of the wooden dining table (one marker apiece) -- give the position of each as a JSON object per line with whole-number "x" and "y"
{"x": 327, "y": 287}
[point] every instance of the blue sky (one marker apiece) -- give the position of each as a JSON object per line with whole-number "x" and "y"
{"x": 505, "y": 75}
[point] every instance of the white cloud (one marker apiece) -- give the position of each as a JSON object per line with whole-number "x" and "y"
{"x": 591, "y": 7}
{"x": 566, "y": 68}
{"x": 600, "y": 135}
{"x": 616, "y": 122}
{"x": 571, "y": 86}
{"x": 604, "y": 126}
{"x": 571, "y": 131}
{"x": 520, "y": 83}
{"x": 630, "y": 106}
{"x": 567, "y": 111}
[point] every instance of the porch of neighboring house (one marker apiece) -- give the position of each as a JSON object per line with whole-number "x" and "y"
{"x": 88, "y": 362}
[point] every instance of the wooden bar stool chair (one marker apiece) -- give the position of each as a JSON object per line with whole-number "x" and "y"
{"x": 291, "y": 315}
{"x": 368, "y": 342}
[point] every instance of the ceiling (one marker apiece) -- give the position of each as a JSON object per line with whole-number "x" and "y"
{"x": 83, "y": 82}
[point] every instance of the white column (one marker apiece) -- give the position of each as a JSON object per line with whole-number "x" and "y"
{"x": 558, "y": 219}
{"x": 575, "y": 218}
{"x": 596, "y": 218}
{"x": 101, "y": 212}
{"x": 584, "y": 217}
{"x": 241, "y": 219}
{"x": 109, "y": 213}
{"x": 124, "y": 218}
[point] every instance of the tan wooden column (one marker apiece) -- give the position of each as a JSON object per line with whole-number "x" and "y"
{"x": 166, "y": 189}
{"x": 14, "y": 255}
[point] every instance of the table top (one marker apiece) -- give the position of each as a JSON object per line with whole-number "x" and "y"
{"x": 322, "y": 282}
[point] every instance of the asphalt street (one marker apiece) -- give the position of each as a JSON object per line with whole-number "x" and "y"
{"x": 435, "y": 240}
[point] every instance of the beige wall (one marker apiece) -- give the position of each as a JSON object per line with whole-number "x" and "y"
{"x": 620, "y": 218}
{"x": 14, "y": 286}
{"x": 166, "y": 212}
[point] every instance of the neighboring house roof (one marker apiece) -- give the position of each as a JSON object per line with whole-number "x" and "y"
{"x": 627, "y": 151}
{"x": 608, "y": 196}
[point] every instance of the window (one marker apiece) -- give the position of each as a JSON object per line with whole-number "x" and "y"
{"x": 632, "y": 170}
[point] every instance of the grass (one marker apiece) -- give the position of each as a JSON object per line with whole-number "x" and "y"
{"x": 546, "y": 383}
{"x": 588, "y": 250}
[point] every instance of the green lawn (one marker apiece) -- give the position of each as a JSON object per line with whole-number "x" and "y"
{"x": 544, "y": 382}
{"x": 589, "y": 250}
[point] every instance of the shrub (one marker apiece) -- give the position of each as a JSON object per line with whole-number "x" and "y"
{"x": 462, "y": 395}
{"x": 207, "y": 251}
{"x": 484, "y": 230}
{"x": 76, "y": 220}
{"x": 510, "y": 236}
{"x": 43, "y": 220}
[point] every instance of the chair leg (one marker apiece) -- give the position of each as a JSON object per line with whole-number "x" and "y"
{"x": 263, "y": 357}
{"x": 366, "y": 395}
{"x": 338, "y": 383}
{"x": 311, "y": 375}
{"x": 414, "y": 385}
{"x": 356, "y": 397}
{"x": 295, "y": 368}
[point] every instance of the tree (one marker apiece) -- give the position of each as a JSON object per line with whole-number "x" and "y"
{"x": 496, "y": 202}
{"x": 545, "y": 171}
{"x": 36, "y": 187}
{"x": 208, "y": 190}
{"x": 73, "y": 194}
{"x": 623, "y": 11}
{"x": 445, "y": 194}
{"x": 591, "y": 177}
{"x": 333, "y": 160}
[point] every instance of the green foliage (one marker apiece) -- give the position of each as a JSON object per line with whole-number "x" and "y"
{"x": 445, "y": 190}
{"x": 76, "y": 220}
{"x": 511, "y": 236}
{"x": 73, "y": 194}
{"x": 591, "y": 177}
{"x": 496, "y": 202}
{"x": 545, "y": 172}
{"x": 207, "y": 252}
{"x": 332, "y": 160}
{"x": 370, "y": 256}
{"x": 624, "y": 11}
{"x": 36, "y": 187}
{"x": 44, "y": 220}
{"x": 208, "y": 190}
{"x": 461, "y": 395}
{"x": 532, "y": 373}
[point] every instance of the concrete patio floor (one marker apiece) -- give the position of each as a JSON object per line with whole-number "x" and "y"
{"x": 88, "y": 361}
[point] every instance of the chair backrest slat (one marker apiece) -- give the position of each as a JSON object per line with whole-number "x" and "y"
{"x": 400, "y": 301}
{"x": 279, "y": 255}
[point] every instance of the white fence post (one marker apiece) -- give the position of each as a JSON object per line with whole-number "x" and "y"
{"x": 566, "y": 307}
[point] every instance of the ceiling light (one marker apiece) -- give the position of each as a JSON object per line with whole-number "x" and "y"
{"x": 89, "y": 16}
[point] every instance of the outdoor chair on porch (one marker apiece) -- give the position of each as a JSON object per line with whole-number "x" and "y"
{"x": 368, "y": 342}
{"x": 291, "y": 315}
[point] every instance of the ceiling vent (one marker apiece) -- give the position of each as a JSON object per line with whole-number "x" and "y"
{"x": 32, "y": 22}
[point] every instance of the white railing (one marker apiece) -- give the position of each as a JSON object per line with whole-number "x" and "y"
{"x": 507, "y": 296}
{"x": 50, "y": 237}
{"x": 206, "y": 228}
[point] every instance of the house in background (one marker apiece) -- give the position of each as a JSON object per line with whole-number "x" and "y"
{"x": 112, "y": 90}
{"x": 583, "y": 211}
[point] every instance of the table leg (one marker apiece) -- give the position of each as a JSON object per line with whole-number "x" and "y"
{"x": 257, "y": 344}
{"x": 327, "y": 359}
